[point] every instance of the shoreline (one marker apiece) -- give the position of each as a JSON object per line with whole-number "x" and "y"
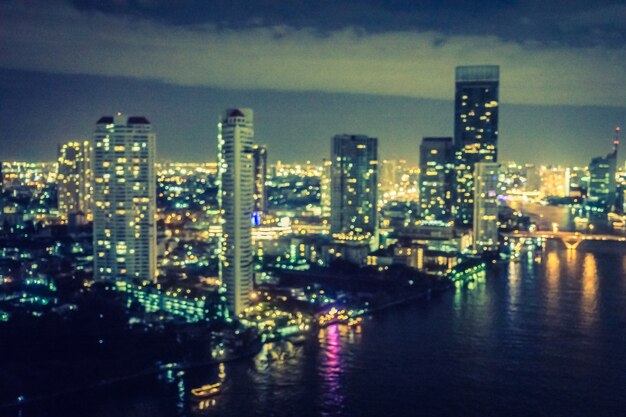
{"x": 191, "y": 365}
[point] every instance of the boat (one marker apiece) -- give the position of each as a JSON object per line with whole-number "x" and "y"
{"x": 207, "y": 391}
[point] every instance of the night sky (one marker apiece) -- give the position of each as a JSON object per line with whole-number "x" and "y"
{"x": 310, "y": 70}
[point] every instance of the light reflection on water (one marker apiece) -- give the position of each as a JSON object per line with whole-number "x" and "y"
{"x": 532, "y": 336}
{"x": 589, "y": 290}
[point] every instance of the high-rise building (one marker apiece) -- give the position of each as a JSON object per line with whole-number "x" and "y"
{"x": 74, "y": 182}
{"x": 124, "y": 224}
{"x": 486, "y": 207}
{"x": 236, "y": 179}
{"x": 325, "y": 188}
{"x": 354, "y": 186}
{"x": 475, "y": 130}
{"x": 388, "y": 176}
{"x": 436, "y": 178}
{"x": 555, "y": 181}
{"x": 602, "y": 186}
{"x": 259, "y": 156}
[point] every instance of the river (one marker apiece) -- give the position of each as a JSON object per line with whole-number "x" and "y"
{"x": 541, "y": 338}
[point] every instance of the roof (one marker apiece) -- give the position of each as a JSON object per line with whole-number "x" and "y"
{"x": 138, "y": 120}
{"x": 236, "y": 113}
{"x": 105, "y": 120}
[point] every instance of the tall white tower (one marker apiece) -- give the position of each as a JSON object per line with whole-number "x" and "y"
{"x": 236, "y": 178}
{"x": 124, "y": 227}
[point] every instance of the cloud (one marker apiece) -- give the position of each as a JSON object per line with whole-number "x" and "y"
{"x": 404, "y": 63}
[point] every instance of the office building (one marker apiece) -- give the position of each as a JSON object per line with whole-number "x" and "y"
{"x": 236, "y": 179}
{"x": 555, "y": 181}
{"x": 259, "y": 156}
{"x": 325, "y": 183}
{"x": 601, "y": 192}
{"x": 354, "y": 187}
{"x": 475, "y": 130}
{"x": 436, "y": 178}
{"x": 74, "y": 182}
{"x": 124, "y": 225}
{"x": 486, "y": 207}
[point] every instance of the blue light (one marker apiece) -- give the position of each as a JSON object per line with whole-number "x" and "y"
{"x": 256, "y": 218}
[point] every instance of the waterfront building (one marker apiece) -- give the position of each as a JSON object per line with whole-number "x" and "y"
{"x": 555, "y": 181}
{"x": 124, "y": 225}
{"x": 486, "y": 207}
{"x": 354, "y": 187}
{"x": 236, "y": 182}
{"x": 475, "y": 130}
{"x": 436, "y": 178}
{"x": 74, "y": 182}
{"x": 259, "y": 156}
{"x": 187, "y": 302}
{"x": 602, "y": 185}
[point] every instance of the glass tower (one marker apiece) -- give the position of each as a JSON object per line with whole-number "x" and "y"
{"x": 124, "y": 225}
{"x": 602, "y": 185}
{"x": 436, "y": 178}
{"x": 475, "y": 130}
{"x": 354, "y": 186}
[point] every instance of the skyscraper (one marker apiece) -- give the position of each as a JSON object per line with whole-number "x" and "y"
{"x": 486, "y": 207}
{"x": 602, "y": 187}
{"x": 236, "y": 179}
{"x": 325, "y": 187}
{"x": 74, "y": 179}
{"x": 475, "y": 130}
{"x": 124, "y": 228}
{"x": 354, "y": 185}
{"x": 259, "y": 156}
{"x": 436, "y": 178}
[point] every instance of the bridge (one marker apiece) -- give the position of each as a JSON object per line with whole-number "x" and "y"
{"x": 571, "y": 240}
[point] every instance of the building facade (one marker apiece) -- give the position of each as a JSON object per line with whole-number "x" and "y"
{"x": 74, "y": 179}
{"x": 436, "y": 178}
{"x": 236, "y": 180}
{"x": 602, "y": 185}
{"x": 124, "y": 228}
{"x": 486, "y": 207}
{"x": 259, "y": 156}
{"x": 325, "y": 191}
{"x": 354, "y": 186}
{"x": 475, "y": 130}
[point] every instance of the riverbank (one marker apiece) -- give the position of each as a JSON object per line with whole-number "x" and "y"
{"x": 252, "y": 351}
{"x": 19, "y": 402}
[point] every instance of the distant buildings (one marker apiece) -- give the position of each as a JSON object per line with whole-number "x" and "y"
{"x": 475, "y": 130}
{"x": 486, "y": 207}
{"x": 354, "y": 186}
{"x": 436, "y": 178}
{"x": 236, "y": 179}
{"x": 554, "y": 181}
{"x": 124, "y": 229}
{"x": 602, "y": 186}
{"x": 74, "y": 181}
{"x": 325, "y": 188}
{"x": 259, "y": 156}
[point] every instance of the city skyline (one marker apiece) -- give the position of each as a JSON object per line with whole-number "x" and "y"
{"x": 344, "y": 208}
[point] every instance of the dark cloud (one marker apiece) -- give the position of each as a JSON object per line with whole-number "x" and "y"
{"x": 572, "y": 22}
{"x": 395, "y": 63}
{"x": 310, "y": 70}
